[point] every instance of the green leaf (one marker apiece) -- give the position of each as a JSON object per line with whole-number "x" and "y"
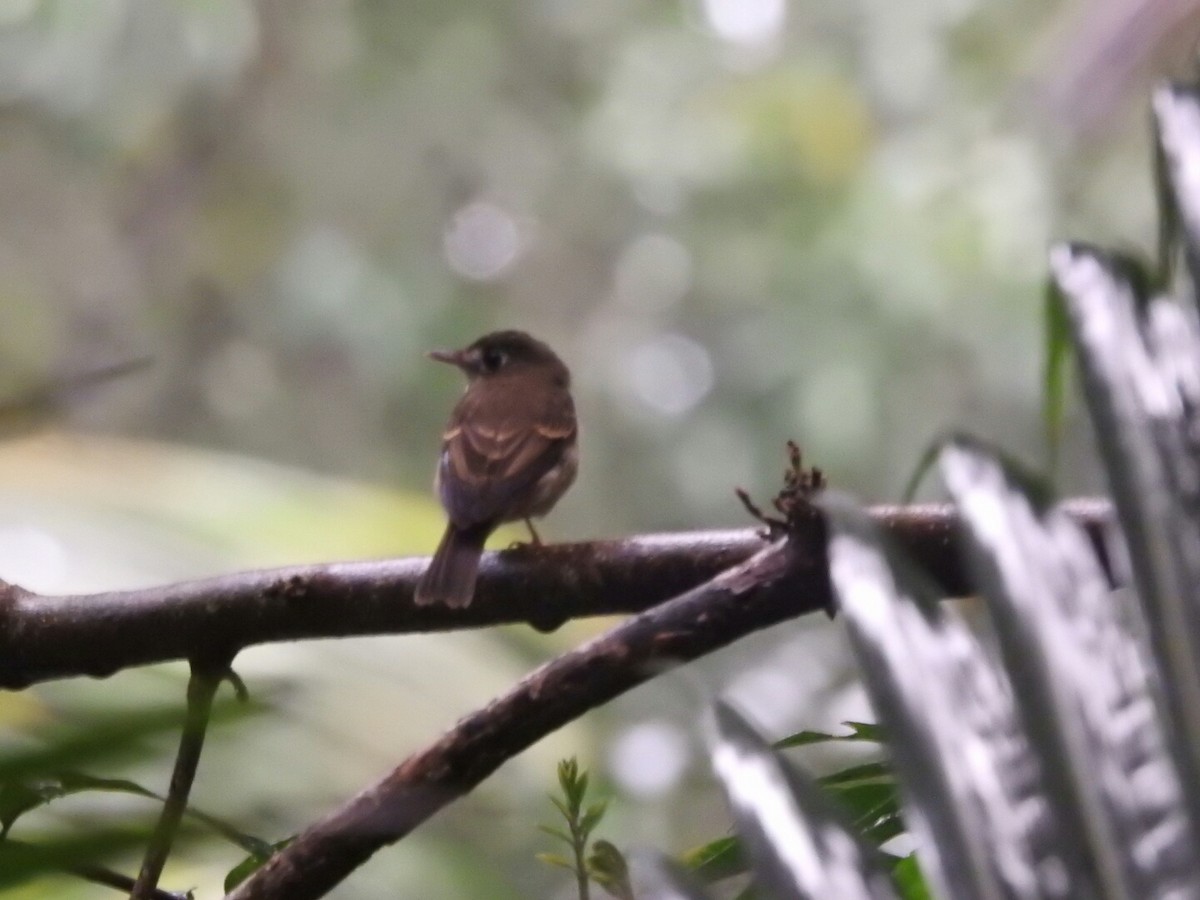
{"x": 114, "y": 736}
{"x": 568, "y": 770}
{"x": 557, "y": 833}
{"x": 574, "y": 782}
{"x": 876, "y": 814}
{"x": 867, "y": 803}
{"x": 867, "y": 772}
{"x": 592, "y": 817}
{"x": 19, "y": 797}
{"x": 579, "y": 791}
{"x": 20, "y": 861}
{"x": 807, "y": 738}
{"x": 717, "y": 859}
{"x": 550, "y": 859}
{"x": 562, "y": 808}
{"x": 884, "y": 830}
{"x": 252, "y": 864}
{"x": 859, "y": 731}
{"x": 910, "y": 882}
{"x": 1169, "y": 221}
{"x": 568, "y": 776}
{"x": 867, "y": 731}
{"x": 609, "y": 869}
{"x": 1055, "y": 371}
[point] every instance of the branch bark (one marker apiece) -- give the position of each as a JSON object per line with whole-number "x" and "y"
{"x": 753, "y": 595}
{"x": 784, "y": 580}
{"x": 46, "y": 637}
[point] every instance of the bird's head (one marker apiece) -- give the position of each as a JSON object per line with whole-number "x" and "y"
{"x": 505, "y": 353}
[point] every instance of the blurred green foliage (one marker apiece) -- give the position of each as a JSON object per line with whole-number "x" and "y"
{"x": 53, "y": 765}
{"x": 737, "y": 221}
{"x": 590, "y": 861}
{"x": 866, "y": 792}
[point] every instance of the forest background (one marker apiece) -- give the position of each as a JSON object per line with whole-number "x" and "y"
{"x": 739, "y": 221}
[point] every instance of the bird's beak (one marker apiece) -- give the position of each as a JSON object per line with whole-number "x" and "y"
{"x": 453, "y": 357}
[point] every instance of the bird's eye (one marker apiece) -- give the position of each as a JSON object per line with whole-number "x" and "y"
{"x": 493, "y": 359}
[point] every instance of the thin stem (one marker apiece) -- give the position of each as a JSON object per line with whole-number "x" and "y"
{"x": 202, "y": 688}
{"x": 120, "y": 882}
{"x": 579, "y": 843}
{"x": 96, "y": 874}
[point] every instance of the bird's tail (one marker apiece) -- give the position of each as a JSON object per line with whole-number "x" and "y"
{"x": 450, "y": 578}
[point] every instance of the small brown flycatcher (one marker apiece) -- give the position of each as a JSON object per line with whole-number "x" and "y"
{"x": 509, "y": 452}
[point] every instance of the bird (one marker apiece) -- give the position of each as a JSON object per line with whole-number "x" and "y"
{"x": 509, "y": 452}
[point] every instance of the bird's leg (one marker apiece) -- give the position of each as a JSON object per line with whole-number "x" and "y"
{"x": 537, "y": 540}
{"x": 532, "y": 544}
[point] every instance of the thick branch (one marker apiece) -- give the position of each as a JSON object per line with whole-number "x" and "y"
{"x": 46, "y": 637}
{"x": 758, "y": 593}
{"x": 784, "y": 580}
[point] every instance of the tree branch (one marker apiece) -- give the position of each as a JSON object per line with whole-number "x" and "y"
{"x": 752, "y": 595}
{"x": 786, "y": 579}
{"x": 45, "y": 637}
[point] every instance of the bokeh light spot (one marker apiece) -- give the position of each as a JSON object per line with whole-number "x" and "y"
{"x": 481, "y": 241}
{"x": 649, "y": 758}
{"x": 669, "y": 374}
{"x": 33, "y": 557}
{"x": 745, "y": 21}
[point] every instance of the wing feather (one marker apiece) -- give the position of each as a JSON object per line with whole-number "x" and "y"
{"x": 498, "y": 444}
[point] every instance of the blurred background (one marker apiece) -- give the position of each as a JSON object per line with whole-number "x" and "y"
{"x": 739, "y": 221}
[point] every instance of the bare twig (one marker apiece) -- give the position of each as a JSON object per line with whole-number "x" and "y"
{"x": 800, "y": 485}
{"x": 46, "y": 637}
{"x": 119, "y": 882}
{"x": 785, "y": 579}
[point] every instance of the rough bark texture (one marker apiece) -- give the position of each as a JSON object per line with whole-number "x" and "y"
{"x": 47, "y": 637}
{"x": 784, "y": 580}
{"x": 752, "y": 595}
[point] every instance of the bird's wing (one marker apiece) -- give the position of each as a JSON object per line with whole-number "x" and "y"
{"x": 497, "y": 447}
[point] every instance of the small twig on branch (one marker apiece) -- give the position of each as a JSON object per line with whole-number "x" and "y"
{"x": 206, "y": 677}
{"x": 46, "y": 637}
{"x": 800, "y": 485}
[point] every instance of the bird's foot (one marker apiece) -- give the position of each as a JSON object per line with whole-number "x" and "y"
{"x": 533, "y": 544}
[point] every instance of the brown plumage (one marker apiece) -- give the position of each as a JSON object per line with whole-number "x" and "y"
{"x": 509, "y": 452}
